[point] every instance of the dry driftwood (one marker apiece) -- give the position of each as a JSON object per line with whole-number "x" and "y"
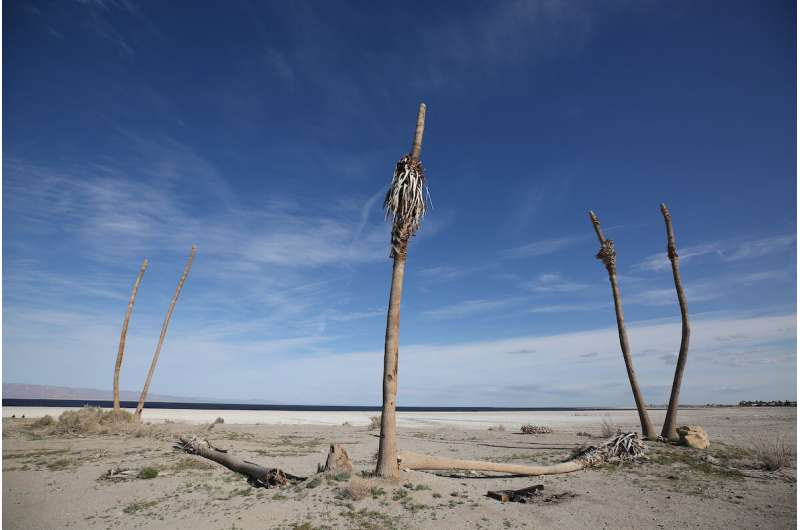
{"x": 523, "y": 495}
{"x": 624, "y": 446}
{"x": 257, "y": 475}
{"x": 337, "y": 462}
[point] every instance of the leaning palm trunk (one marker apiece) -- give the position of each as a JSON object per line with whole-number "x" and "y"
{"x": 121, "y": 351}
{"x": 164, "y": 327}
{"x": 405, "y": 204}
{"x": 609, "y": 258}
{"x": 624, "y": 446}
{"x": 669, "y": 431}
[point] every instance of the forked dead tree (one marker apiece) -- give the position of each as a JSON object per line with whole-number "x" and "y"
{"x": 405, "y": 204}
{"x": 164, "y": 327}
{"x": 669, "y": 431}
{"x": 608, "y": 256}
{"x": 123, "y": 334}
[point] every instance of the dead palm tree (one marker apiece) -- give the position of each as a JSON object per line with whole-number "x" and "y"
{"x": 405, "y": 204}
{"x": 609, "y": 258}
{"x": 668, "y": 431}
{"x": 143, "y": 396}
{"x": 121, "y": 351}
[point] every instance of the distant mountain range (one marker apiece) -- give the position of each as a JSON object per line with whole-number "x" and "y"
{"x": 22, "y": 391}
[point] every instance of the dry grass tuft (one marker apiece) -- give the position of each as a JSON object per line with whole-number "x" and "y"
{"x": 374, "y": 423}
{"x": 93, "y": 420}
{"x": 608, "y": 429}
{"x": 535, "y": 429}
{"x": 45, "y": 421}
{"x": 773, "y": 454}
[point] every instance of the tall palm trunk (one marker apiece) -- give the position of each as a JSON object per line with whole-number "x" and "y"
{"x": 121, "y": 351}
{"x": 668, "y": 431}
{"x": 609, "y": 257}
{"x": 405, "y": 202}
{"x": 164, "y": 327}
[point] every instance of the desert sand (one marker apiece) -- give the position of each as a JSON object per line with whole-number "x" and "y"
{"x": 55, "y": 481}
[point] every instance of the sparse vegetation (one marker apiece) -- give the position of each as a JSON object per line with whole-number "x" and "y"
{"x": 499, "y": 428}
{"x": 609, "y": 429}
{"x": 583, "y": 434}
{"x": 135, "y": 507}
{"x": 773, "y": 454}
{"x": 219, "y": 420}
{"x": 44, "y": 421}
{"x": 535, "y": 429}
{"x": 148, "y": 473}
{"x": 92, "y": 420}
{"x": 374, "y": 423}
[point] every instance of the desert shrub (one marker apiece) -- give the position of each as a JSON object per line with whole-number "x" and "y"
{"x": 773, "y": 454}
{"x": 313, "y": 483}
{"x": 608, "y": 429}
{"x": 374, "y": 423}
{"x": 584, "y": 434}
{"x": 500, "y": 428}
{"x": 535, "y": 429}
{"x": 44, "y": 421}
{"x": 92, "y": 420}
{"x": 359, "y": 488}
{"x": 219, "y": 419}
{"x": 148, "y": 473}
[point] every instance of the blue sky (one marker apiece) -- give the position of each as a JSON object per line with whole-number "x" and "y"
{"x": 266, "y": 133}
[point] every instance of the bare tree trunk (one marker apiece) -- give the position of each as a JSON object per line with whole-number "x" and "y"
{"x": 387, "y": 446}
{"x": 669, "y": 431}
{"x": 410, "y": 460}
{"x": 164, "y": 327}
{"x": 609, "y": 257}
{"x": 121, "y": 351}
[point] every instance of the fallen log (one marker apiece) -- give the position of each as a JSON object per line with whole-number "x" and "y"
{"x": 408, "y": 460}
{"x": 257, "y": 475}
{"x": 624, "y": 446}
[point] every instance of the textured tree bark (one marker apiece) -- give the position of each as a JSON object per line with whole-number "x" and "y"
{"x": 608, "y": 255}
{"x": 121, "y": 351}
{"x": 408, "y": 460}
{"x": 669, "y": 431}
{"x": 387, "y": 446}
{"x": 164, "y": 327}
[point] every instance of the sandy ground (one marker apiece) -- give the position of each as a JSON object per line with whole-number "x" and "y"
{"x": 54, "y": 481}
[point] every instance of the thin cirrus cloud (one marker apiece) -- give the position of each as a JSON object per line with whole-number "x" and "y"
{"x": 541, "y": 248}
{"x": 555, "y": 283}
{"x": 725, "y": 250}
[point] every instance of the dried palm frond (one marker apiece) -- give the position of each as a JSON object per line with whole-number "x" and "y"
{"x": 623, "y": 446}
{"x": 405, "y": 202}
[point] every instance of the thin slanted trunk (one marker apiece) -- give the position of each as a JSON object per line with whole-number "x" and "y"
{"x": 121, "y": 351}
{"x": 164, "y": 327}
{"x": 405, "y": 203}
{"x": 669, "y": 431}
{"x": 609, "y": 257}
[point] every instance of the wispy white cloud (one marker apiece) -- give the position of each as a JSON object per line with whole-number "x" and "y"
{"x": 724, "y": 250}
{"x": 468, "y": 308}
{"x": 555, "y": 283}
{"x": 541, "y": 248}
{"x": 566, "y": 308}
